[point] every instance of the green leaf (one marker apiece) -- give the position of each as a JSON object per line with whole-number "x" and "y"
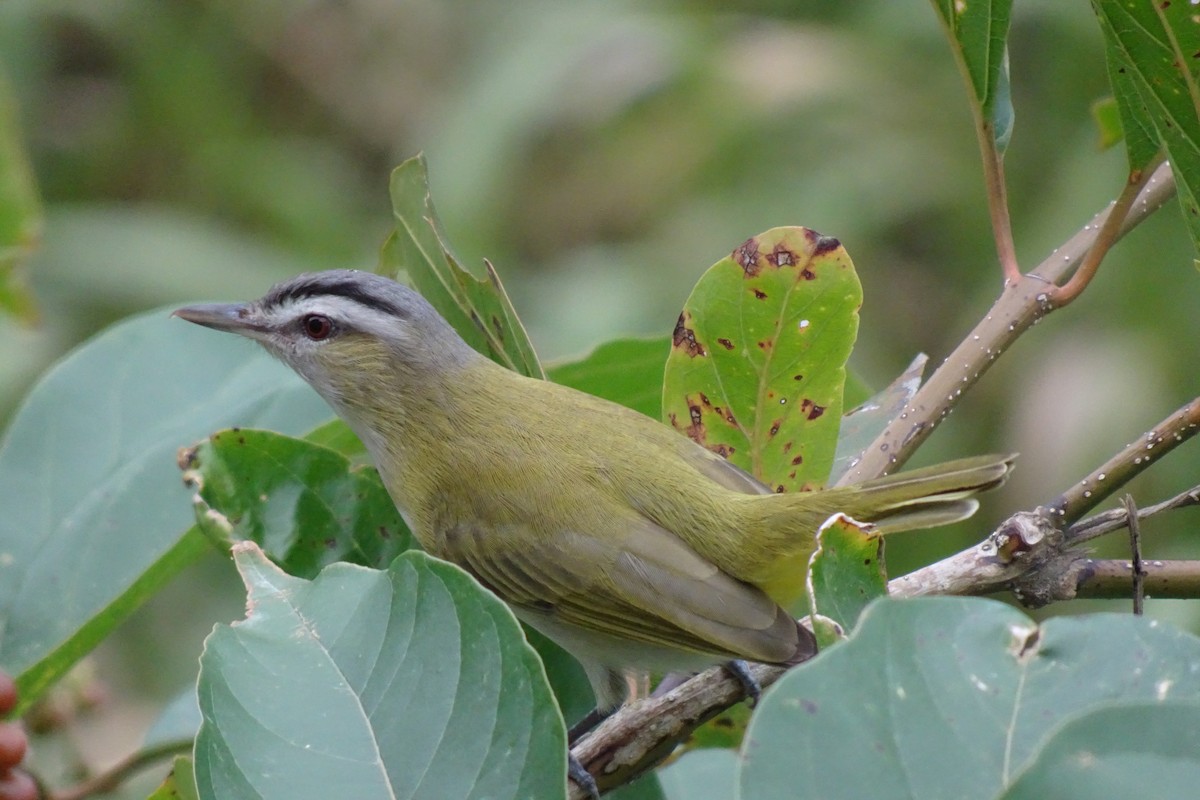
{"x": 304, "y": 504}
{"x": 1151, "y": 54}
{"x": 626, "y": 371}
{"x": 180, "y": 784}
{"x": 94, "y": 511}
{"x": 478, "y": 309}
{"x": 952, "y": 697}
{"x": 1134, "y": 122}
{"x": 1144, "y": 750}
{"x": 20, "y": 212}
{"x": 178, "y": 721}
{"x": 408, "y": 683}
{"x": 866, "y": 421}
{"x": 701, "y": 775}
{"x": 846, "y": 572}
{"x": 337, "y": 436}
{"x": 978, "y": 32}
{"x": 758, "y": 363}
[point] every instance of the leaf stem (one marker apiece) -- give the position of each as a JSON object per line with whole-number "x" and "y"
{"x": 1019, "y": 306}
{"x": 1109, "y": 232}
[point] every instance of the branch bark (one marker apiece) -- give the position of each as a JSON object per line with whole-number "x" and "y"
{"x": 1019, "y": 306}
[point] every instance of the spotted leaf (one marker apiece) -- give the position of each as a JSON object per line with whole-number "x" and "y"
{"x": 758, "y": 363}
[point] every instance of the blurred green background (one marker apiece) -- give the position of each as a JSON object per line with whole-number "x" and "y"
{"x": 602, "y": 155}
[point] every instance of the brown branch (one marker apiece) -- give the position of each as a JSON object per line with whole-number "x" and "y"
{"x": 997, "y": 195}
{"x": 112, "y": 778}
{"x": 640, "y": 735}
{"x": 1019, "y": 306}
{"x": 1168, "y": 580}
{"x": 1137, "y": 571}
{"x": 1135, "y": 457}
{"x": 1105, "y": 238}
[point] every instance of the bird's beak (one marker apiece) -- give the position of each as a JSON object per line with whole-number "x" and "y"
{"x": 231, "y": 317}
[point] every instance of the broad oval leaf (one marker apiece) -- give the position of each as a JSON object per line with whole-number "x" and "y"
{"x": 758, "y": 363}
{"x": 952, "y": 697}
{"x": 303, "y": 503}
{"x": 1144, "y": 750}
{"x": 94, "y": 511}
{"x": 412, "y": 682}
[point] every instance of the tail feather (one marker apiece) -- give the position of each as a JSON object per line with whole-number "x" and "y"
{"x": 930, "y": 496}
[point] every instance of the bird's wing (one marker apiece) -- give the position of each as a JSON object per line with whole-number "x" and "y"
{"x": 718, "y": 469}
{"x": 642, "y": 583}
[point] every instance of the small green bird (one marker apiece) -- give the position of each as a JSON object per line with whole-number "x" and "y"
{"x": 630, "y": 545}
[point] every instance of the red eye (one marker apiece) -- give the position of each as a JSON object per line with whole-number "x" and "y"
{"x": 316, "y": 327}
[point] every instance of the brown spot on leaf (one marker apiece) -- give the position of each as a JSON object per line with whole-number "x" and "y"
{"x": 729, "y": 418}
{"x": 723, "y": 450}
{"x": 781, "y": 256}
{"x": 807, "y": 274}
{"x": 760, "y": 294}
{"x": 797, "y": 460}
{"x": 792, "y": 475}
{"x": 766, "y": 345}
{"x": 685, "y": 338}
{"x": 696, "y": 431}
{"x": 810, "y": 409}
{"x": 787, "y": 446}
{"x": 780, "y": 489}
{"x": 775, "y": 427}
{"x": 746, "y": 257}
{"x": 797, "y": 377}
{"x": 728, "y": 345}
{"x": 823, "y": 244}
{"x": 704, "y": 399}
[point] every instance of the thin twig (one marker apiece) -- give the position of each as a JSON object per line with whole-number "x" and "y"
{"x": 997, "y": 196}
{"x": 1167, "y": 580}
{"x": 1019, "y": 306}
{"x": 115, "y": 776}
{"x": 1134, "y": 458}
{"x": 1107, "y": 236}
{"x": 1137, "y": 571}
{"x": 1115, "y": 519}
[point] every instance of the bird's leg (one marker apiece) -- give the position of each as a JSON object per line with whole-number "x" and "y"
{"x": 741, "y": 670}
{"x": 590, "y": 720}
{"x": 578, "y": 773}
{"x": 575, "y": 770}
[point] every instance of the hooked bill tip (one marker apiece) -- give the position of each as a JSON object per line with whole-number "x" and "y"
{"x": 220, "y": 316}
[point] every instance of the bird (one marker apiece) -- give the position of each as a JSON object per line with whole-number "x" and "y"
{"x": 633, "y": 547}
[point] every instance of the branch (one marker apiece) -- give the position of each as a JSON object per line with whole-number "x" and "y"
{"x": 1168, "y": 580}
{"x": 1019, "y": 306}
{"x": 1105, "y": 238}
{"x": 639, "y": 736}
{"x": 1129, "y": 462}
{"x": 112, "y": 778}
{"x": 997, "y": 195}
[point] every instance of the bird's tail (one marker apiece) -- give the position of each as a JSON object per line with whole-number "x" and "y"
{"x": 923, "y": 498}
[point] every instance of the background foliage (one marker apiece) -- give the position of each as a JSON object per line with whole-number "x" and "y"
{"x": 602, "y": 155}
